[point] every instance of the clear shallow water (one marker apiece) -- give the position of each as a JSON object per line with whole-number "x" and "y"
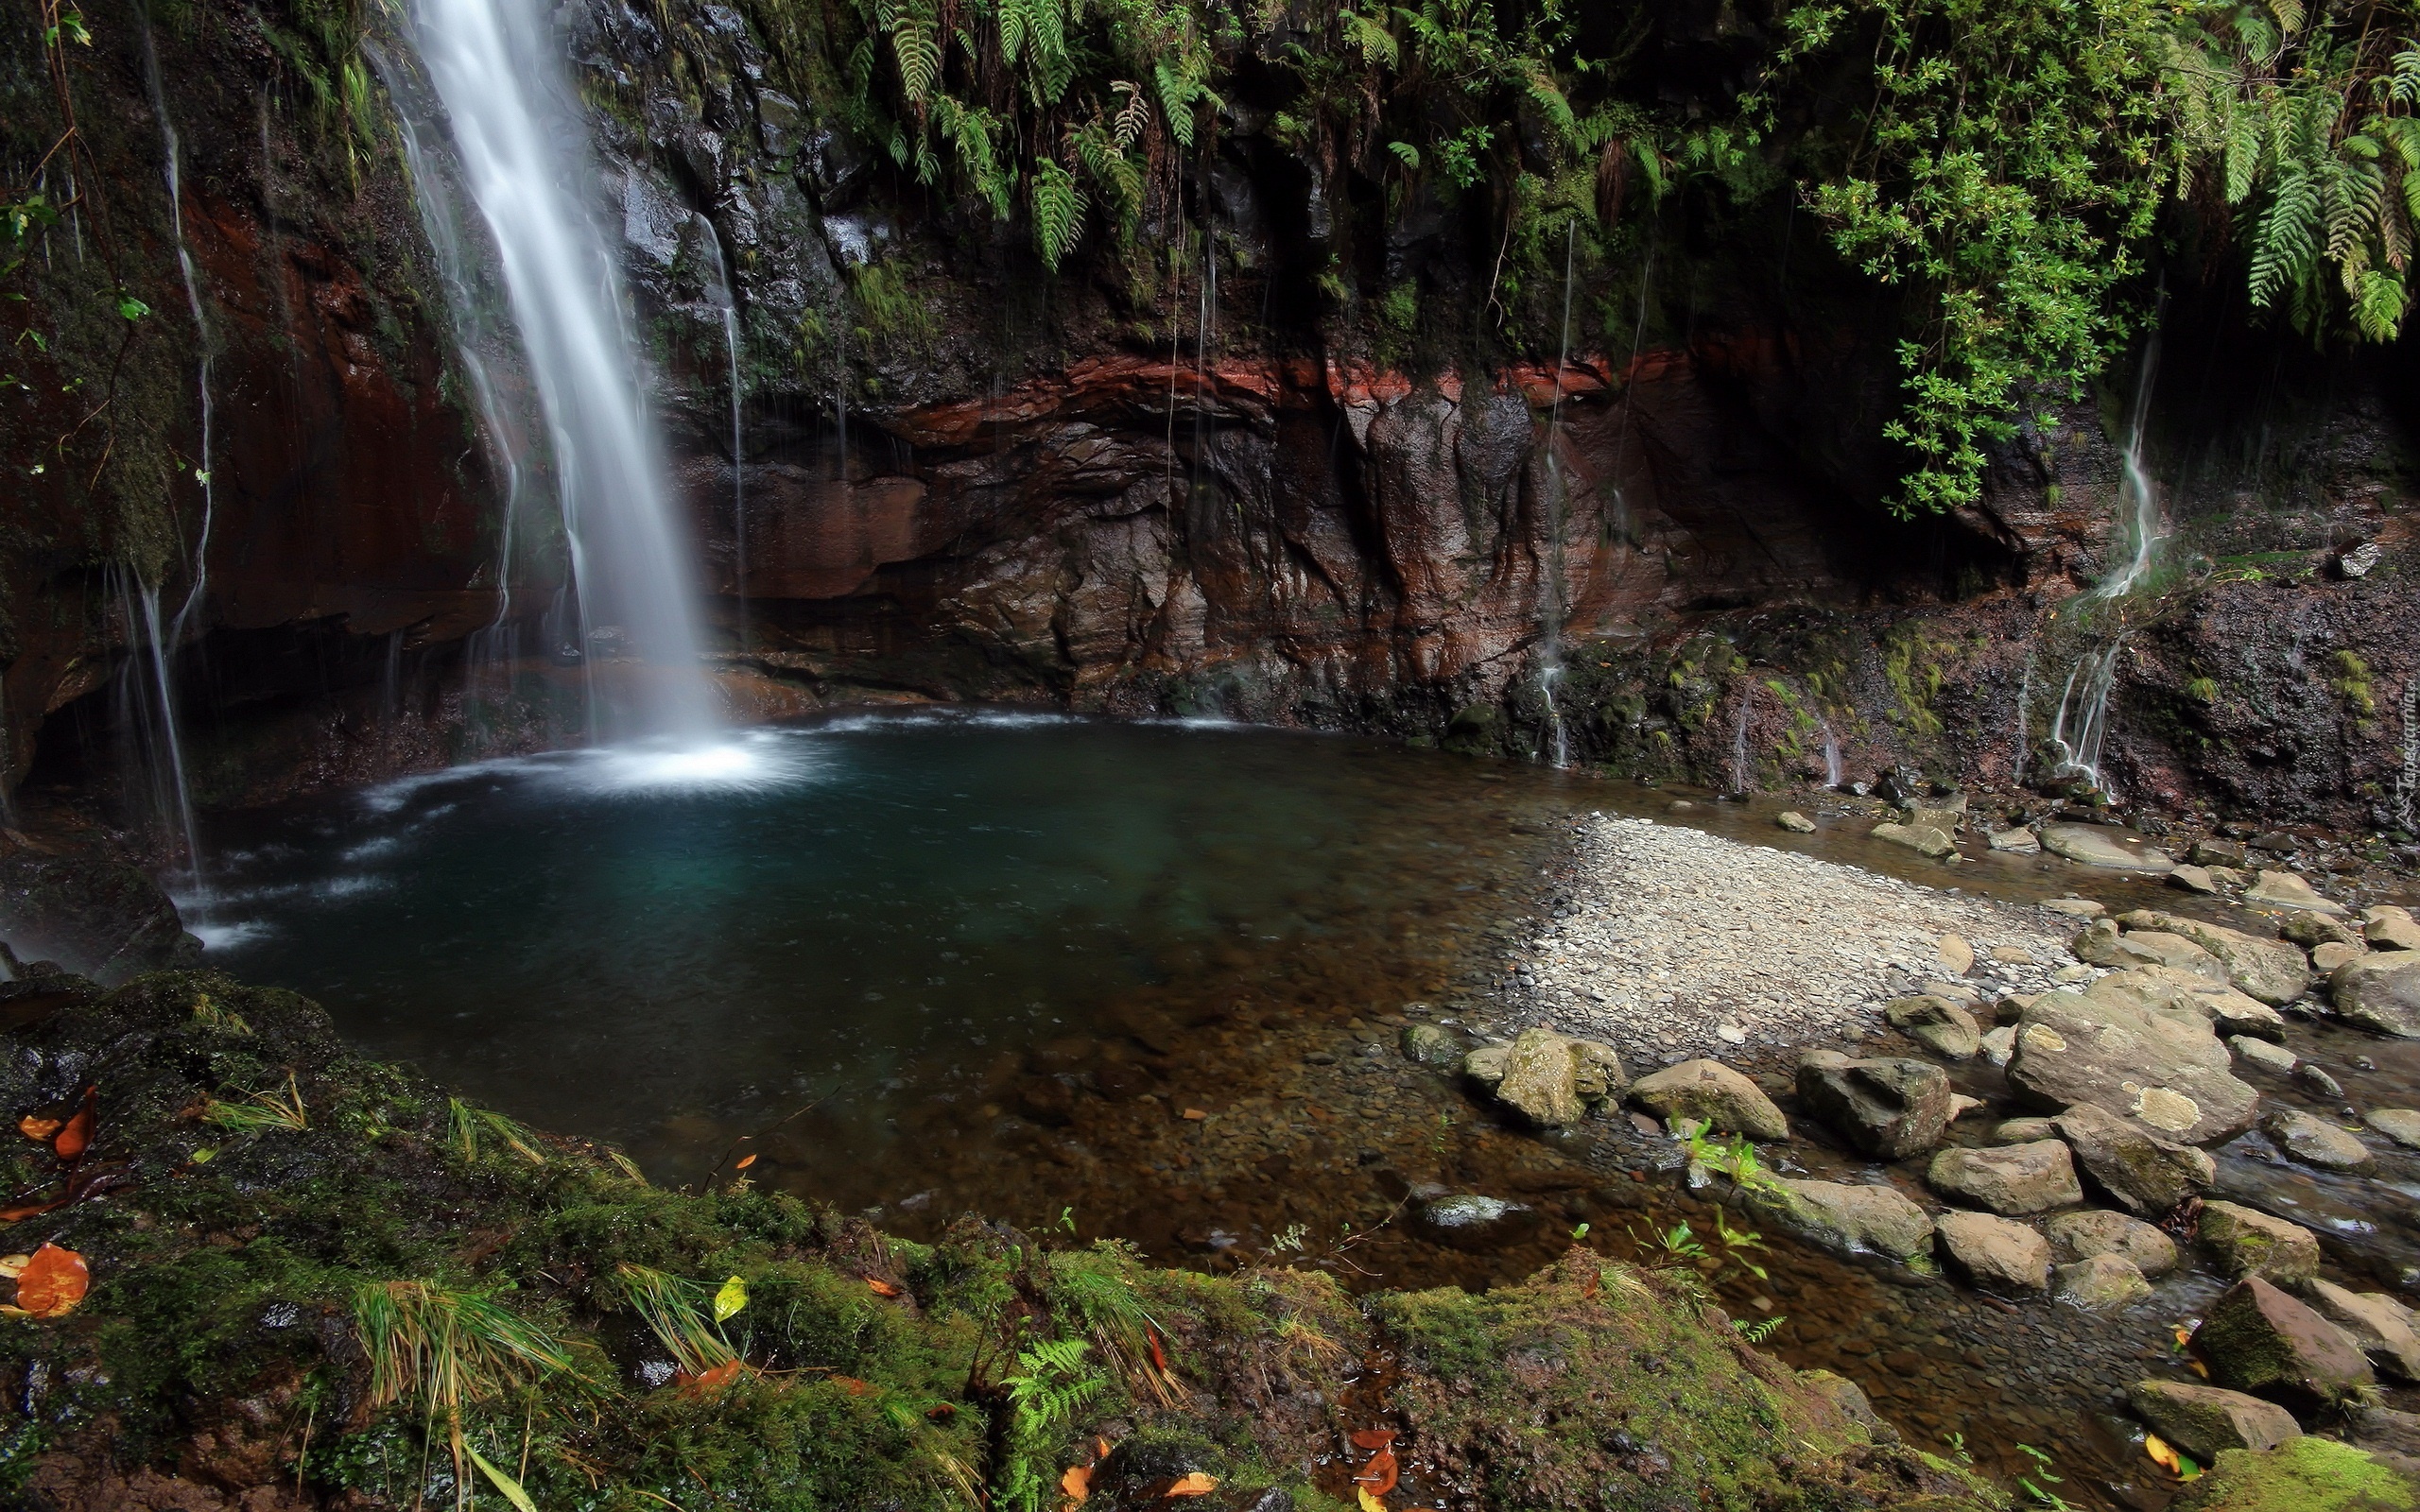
{"x": 1132, "y": 980}
{"x": 886, "y": 916}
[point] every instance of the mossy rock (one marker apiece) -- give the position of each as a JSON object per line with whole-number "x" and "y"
{"x": 229, "y": 1265}
{"x": 2306, "y": 1475}
{"x": 1476, "y": 729}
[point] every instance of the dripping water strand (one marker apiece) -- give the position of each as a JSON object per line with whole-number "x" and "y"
{"x": 171, "y": 152}
{"x": 1739, "y": 740}
{"x": 147, "y": 712}
{"x": 728, "y": 303}
{"x": 2408, "y": 786}
{"x": 2081, "y": 723}
{"x": 1831, "y": 752}
{"x": 1557, "y": 511}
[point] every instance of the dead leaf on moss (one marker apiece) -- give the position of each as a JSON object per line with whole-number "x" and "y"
{"x": 52, "y": 1284}
{"x": 883, "y": 1288}
{"x": 1078, "y": 1483}
{"x": 38, "y": 1129}
{"x": 708, "y": 1382}
{"x": 1196, "y": 1483}
{"x": 73, "y": 1140}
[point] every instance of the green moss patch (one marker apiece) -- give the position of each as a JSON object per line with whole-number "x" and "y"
{"x": 382, "y": 1294}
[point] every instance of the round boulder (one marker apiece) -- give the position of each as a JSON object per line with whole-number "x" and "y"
{"x": 2008, "y": 1179}
{"x": 1713, "y": 1095}
{"x": 1888, "y": 1106}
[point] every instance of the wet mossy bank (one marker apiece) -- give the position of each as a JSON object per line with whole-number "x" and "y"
{"x": 258, "y": 1289}
{"x": 291, "y": 1247}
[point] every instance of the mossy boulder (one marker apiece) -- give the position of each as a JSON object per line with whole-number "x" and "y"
{"x": 2307, "y": 1475}
{"x": 1594, "y": 1385}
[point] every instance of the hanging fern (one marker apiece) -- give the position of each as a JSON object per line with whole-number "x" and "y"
{"x": 1058, "y": 211}
{"x": 913, "y": 45}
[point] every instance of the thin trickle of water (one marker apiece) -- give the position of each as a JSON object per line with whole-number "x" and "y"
{"x": 521, "y": 137}
{"x": 2408, "y": 786}
{"x": 1552, "y": 609}
{"x": 1739, "y": 743}
{"x": 147, "y": 712}
{"x": 2083, "y": 719}
{"x": 2024, "y": 702}
{"x": 728, "y": 303}
{"x": 841, "y": 400}
{"x": 1831, "y": 752}
{"x": 172, "y": 154}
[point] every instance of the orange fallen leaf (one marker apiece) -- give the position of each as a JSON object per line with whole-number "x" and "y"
{"x": 1078, "y": 1483}
{"x": 745, "y": 1162}
{"x": 1100, "y": 1448}
{"x": 1194, "y": 1116}
{"x": 35, "y": 1127}
{"x": 1158, "y": 1358}
{"x": 1380, "y": 1474}
{"x": 1196, "y": 1483}
{"x": 53, "y": 1282}
{"x": 883, "y": 1288}
{"x": 77, "y": 1135}
{"x": 850, "y": 1384}
{"x": 711, "y": 1379}
{"x": 28, "y": 1210}
{"x": 1374, "y": 1438}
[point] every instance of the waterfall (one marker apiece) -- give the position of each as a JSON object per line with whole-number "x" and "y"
{"x": 2024, "y": 701}
{"x": 1831, "y": 752}
{"x": 520, "y": 137}
{"x": 1740, "y": 742}
{"x": 727, "y": 301}
{"x": 2083, "y": 719}
{"x": 495, "y": 647}
{"x": 1559, "y": 508}
{"x": 172, "y": 154}
{"x": 147, "y": 713}
{"x": 2408, "y": 786}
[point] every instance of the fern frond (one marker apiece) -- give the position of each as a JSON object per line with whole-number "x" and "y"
{"x": 1058, "y": 211}
{"x": 2247, "y": 132}
{"x": 913, "y": 45}
{"x": 1015, "y": 27}
{"x": 2285, "y": 239}
{"x": 2379, "y": 304}
{"x": 2288, "y": 13}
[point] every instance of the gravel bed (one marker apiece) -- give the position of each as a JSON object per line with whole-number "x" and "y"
{"x": 1675, "y": 943}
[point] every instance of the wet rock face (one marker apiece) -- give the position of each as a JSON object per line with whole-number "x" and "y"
{"x": 2258, "y": 1338}
{"x": 93, "y": 914}
{"x": 1887, "y": 1107}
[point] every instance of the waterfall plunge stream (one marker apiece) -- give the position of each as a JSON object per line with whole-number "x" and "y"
{"x": 2081, "y": 723}
{"x": 521, "y": 138}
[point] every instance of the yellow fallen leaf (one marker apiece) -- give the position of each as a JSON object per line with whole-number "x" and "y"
{"x": 2170, "y": 1458}
{"x": 2198, "y": 1368}
{"x": 13, "y": 1266}
{"x": 1369, "y": 1502}
{"x": 1196, "y": 1483}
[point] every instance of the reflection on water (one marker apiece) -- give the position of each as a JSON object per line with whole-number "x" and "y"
{"x": 878, "y": 915}
{"x": 1148, "y": 980}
